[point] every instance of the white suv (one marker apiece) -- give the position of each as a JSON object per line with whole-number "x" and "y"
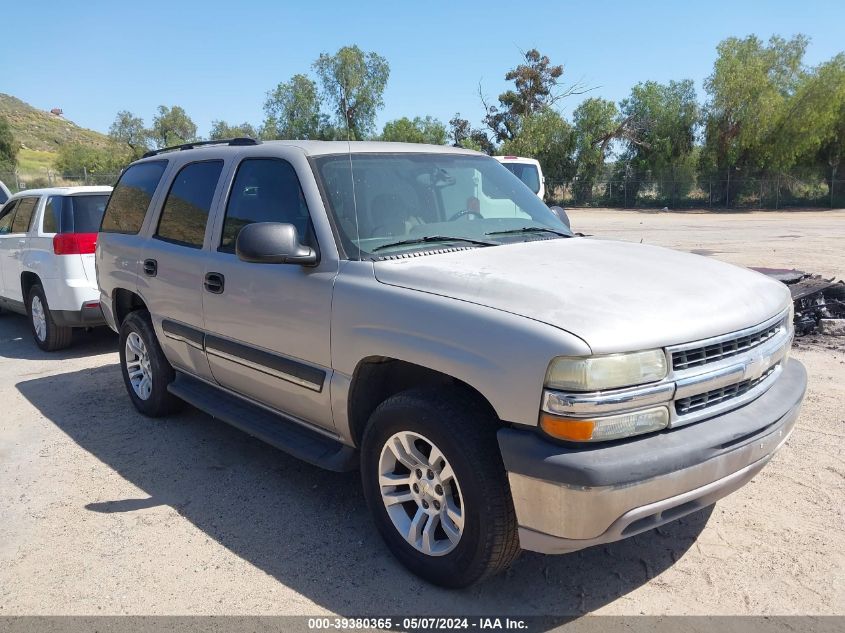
{"x": 47, "y": 241}
{"x": 528, "y": 170}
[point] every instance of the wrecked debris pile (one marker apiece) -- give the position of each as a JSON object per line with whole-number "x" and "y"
{"x": 819, "y": 303}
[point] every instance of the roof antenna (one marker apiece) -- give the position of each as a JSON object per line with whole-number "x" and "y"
{"x": 347, "y": 111}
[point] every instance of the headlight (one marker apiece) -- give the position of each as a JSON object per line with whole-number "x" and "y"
{"x": 602, "y": 429}
{"x": 595, "y": 373}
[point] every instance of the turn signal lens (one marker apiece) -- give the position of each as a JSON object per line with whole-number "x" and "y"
{"x": 567, "y": 428}
{"x": 602, "y": 429}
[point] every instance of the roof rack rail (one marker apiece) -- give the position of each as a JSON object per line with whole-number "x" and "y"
{"x": 240, "y": 140}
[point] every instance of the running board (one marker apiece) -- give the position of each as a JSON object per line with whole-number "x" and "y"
{"x": 275, "y": 429}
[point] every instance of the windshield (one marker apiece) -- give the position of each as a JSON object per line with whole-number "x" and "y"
{"x": 401, "y": 202}
{"x": 527, "y": 173}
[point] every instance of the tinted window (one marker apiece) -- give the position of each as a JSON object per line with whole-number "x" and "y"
{"x": 265, "y": 190}
{"x": 26, "y": 207}
{"x": 526, "y": 173}
{"x": 186, "y": 208}
{"x": 131, "y": 197}
{"x": 52, "y": 215}
{"x": 6, "y": 217}
{"x": 83, "y": 214}
{"x": 74, "y": 214}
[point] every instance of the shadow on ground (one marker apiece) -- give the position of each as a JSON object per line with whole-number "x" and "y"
{"x": 16, "y": 341}
{"x": 309, "y": 528}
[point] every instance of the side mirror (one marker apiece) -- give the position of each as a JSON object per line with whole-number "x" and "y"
{"x": 561, "y": 214}
{"x": 273, "y": 243}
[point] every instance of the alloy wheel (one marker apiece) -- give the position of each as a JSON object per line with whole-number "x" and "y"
{"x": 421, "y": 493}
{"x": 137, "y": 361}
{"x": 39, "y": 318}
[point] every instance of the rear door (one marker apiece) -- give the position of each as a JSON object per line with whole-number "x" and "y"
{"x": 174, "y": 261}
{"x": 13, "y": 246}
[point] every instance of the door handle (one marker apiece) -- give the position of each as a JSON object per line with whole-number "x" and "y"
{"x": 214, "y": 283}
{"x": 150, "y": 267}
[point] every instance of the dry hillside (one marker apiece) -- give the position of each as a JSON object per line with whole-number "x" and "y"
{"x": 41, "y": 131}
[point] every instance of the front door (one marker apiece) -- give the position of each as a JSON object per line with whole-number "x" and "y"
{"x": 7, "y": 216}
{"x": 12, "y": 246}
{"x": 268, "y": 324}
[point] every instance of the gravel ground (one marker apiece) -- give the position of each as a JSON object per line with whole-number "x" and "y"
{"x": 105, "y": 512}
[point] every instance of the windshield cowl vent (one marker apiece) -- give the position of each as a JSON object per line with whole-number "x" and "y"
{"x": 437, "y": 251}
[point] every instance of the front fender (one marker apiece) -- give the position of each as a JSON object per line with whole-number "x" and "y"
{"x": 501, "y": 355}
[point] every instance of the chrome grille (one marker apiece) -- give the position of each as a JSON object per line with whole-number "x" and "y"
{"x": 698, "y": 356}
{"x": 700, "y": 401}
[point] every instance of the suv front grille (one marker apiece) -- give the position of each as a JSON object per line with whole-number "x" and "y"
{"x": 700, "y": 401}
{"x": 698, "y": 356}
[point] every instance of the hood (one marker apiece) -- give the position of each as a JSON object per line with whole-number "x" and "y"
{"x": 616, "y": 296}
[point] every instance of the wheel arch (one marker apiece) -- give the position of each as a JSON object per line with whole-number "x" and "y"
{"x": 28, "y": 280}
{"x": 377, "y": 378}
{"x": 124, "y": 302}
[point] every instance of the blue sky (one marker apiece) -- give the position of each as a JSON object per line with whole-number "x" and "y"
{"x": 217, "y": 60}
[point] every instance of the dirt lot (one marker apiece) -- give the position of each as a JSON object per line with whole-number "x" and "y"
{"x": 105, "y": 512}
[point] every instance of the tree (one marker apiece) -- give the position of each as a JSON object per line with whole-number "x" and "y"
{"x": 129, "y": 130}
{"x": 353, "y": 83}
{"x": 662, "y": 119}
{"x": 596, "y": 125}
{"x": 222, "y": 130}
{"x": 537, "y": 86}
{"x": 832, "y": 149}
{"x": 462, "y": 134}
{"x": 420, "y": 130}
{"x": 8, "y": 147}
{"x": 292, "y": 111}
{"x": 813, "y": 128}
{"x": 76, "y": 159}
{"x": 172, "y": 126}
{"x": 749, "y": 92}
{"x": 548, "y": 137}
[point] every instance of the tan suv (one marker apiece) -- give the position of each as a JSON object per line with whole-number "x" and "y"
{"x": 418, "y": 313}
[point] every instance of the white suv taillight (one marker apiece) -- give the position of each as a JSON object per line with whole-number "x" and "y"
{"x": 74, "y": 243}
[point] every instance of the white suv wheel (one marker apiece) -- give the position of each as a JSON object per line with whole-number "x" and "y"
{"x": 39, "y": 318}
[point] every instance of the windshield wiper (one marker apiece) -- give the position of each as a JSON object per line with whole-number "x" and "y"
{"x": 529, "y": 229}
{"x": 434, "y": 238}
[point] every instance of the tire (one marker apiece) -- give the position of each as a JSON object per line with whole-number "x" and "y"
{"x": 457, "y": 426}
{"x": 139, "y": 344}
{"x": 48, "y": 336}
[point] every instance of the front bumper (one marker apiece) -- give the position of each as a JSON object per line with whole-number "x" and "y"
{"x": 569, "y": 498}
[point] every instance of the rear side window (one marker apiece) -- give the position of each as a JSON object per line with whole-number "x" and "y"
{"x": 74, "y": 214}
{"x": 6, "y": 217}
{"x": 526, "y": 173}
{"x": 52, "y": 222}
{"x": 131, "y": 197}
{"x": 185, "y": 213}
{"x": 265, "y": 190}
{"x": 23, "y": 217}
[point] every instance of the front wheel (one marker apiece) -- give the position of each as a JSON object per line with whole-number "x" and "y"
{"x": 434, "y": 481}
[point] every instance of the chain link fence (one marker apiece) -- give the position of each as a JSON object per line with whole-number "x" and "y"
{"x": 746, "y": 193}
